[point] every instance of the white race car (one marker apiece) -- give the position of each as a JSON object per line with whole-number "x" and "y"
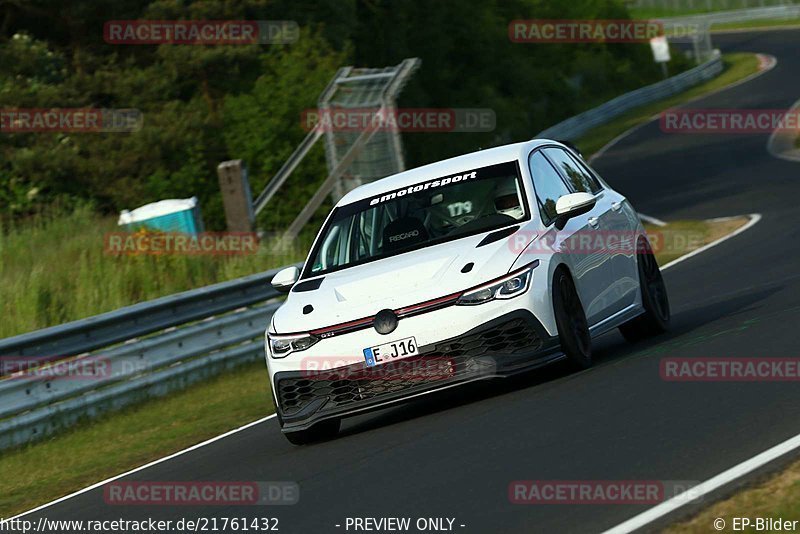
{"x": 474, "y": 267}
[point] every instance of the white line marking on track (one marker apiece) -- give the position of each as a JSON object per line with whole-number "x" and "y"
{"x": 141, "y": 467}
{"x": 737, "y": 471}
{"x": 651, "y": 220}
{"x": 754, "y": 218}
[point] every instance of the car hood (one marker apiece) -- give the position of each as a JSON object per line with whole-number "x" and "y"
{"x": 395, "y": 282}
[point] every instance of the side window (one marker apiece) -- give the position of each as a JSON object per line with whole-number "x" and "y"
{"x": 365, "y": 237}
{"x": 591, "y": 176}
{"x": 578, "y": 177}
{"x": 548, "y": 185}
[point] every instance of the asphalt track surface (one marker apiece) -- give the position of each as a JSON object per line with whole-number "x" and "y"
{"x": 454, "y": 454}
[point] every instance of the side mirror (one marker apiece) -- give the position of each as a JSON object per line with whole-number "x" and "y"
{"x": 574, "y": 204}
{"x": 285, "y": 279}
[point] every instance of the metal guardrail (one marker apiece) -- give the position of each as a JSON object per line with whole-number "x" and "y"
{"x": 574, "y": 127}
{"x": 698, "y": 27}
{"x": 709, "y": 5}
{"x": 102, "y": 330}
{"x": 734, "y": 15}
{"x": 187, "y": 337}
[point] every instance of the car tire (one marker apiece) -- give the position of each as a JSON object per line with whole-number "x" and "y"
{"x": 656, "y": 316}
{"x": 573, "y": 328}
{"x": 323, "y": 430}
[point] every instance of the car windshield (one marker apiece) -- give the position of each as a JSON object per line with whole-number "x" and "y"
{"x": 420, "y": 215}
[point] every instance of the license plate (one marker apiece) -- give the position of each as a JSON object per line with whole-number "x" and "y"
{"x": 391, "y": 351}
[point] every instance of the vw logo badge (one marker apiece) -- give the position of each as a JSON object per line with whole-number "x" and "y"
{"x": 385, "y": 322}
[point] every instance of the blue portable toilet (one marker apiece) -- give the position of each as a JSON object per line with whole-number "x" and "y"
{"x": 172, "y": 215}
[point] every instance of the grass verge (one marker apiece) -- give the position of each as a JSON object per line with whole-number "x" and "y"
{"x": 736, "y": 67}
{"x": 777, "y": 497}
{"x": 679, "y": 238}
{"x": 99, "y": 449}
{"x": 54, "y": 268}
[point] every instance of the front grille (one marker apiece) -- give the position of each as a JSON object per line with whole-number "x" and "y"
{"x": 464, "y": 356}
{"x": 509, "y": 338}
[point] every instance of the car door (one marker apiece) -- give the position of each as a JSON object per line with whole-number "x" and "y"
{"x": 590, "y": 268}
{"x": 623, "y": 224}
{"x": 594, "y": 248}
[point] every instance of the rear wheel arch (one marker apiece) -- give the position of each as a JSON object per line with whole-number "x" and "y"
{"x": 655, "y": 318}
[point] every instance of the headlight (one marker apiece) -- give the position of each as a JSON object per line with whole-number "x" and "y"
{"x": 282, "y": 346}
{"x": 509, "y": 286}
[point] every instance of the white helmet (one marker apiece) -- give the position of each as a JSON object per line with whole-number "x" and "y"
{"x": 506, "y": 200}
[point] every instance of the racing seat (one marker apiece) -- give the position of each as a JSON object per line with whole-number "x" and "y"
{"x": 403, "y": 233}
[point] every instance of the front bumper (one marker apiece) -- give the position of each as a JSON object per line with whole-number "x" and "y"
{"x": 504, "y": 345}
